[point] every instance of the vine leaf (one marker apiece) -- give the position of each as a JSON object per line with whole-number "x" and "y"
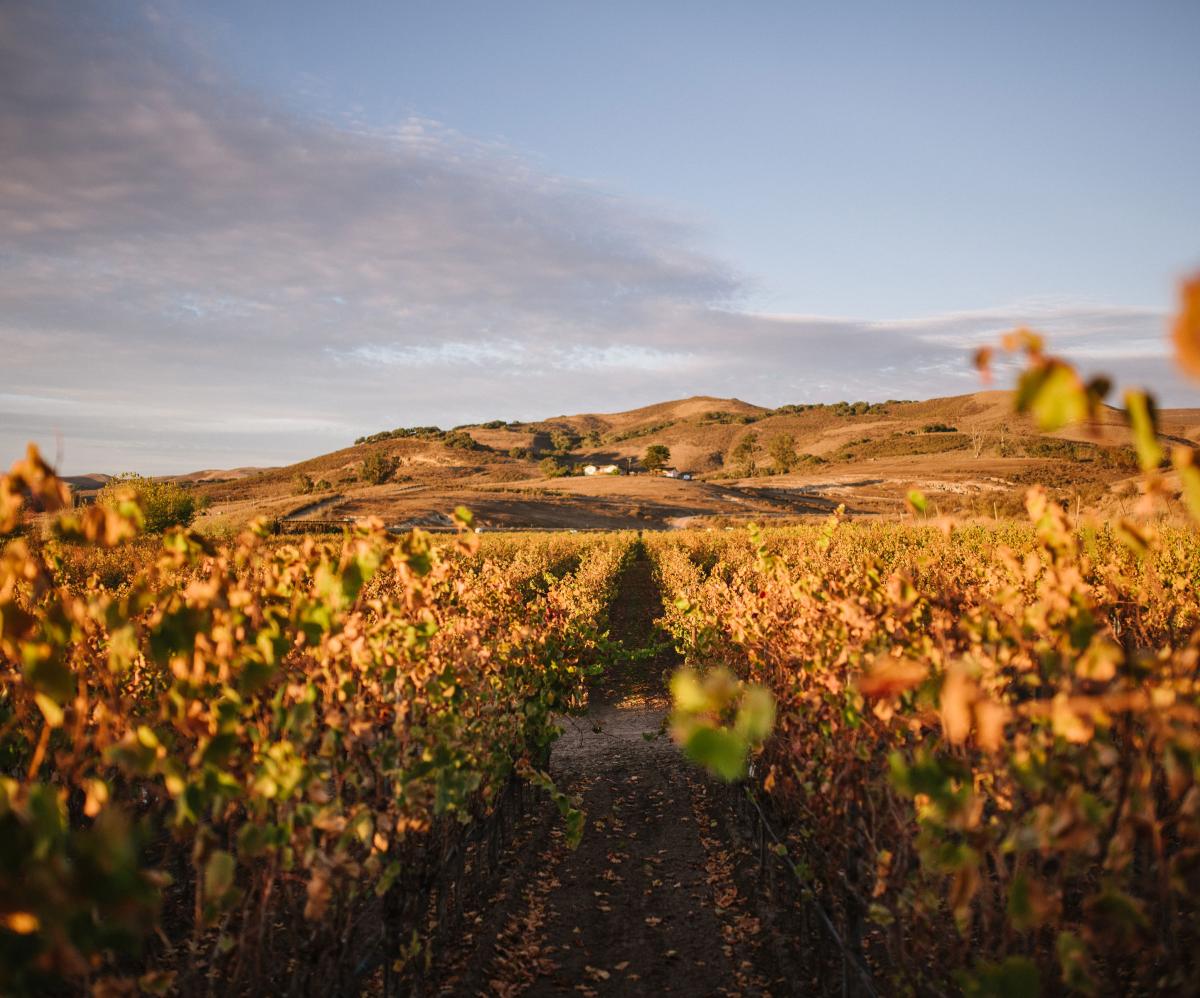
{"x": 1186, "y": 334}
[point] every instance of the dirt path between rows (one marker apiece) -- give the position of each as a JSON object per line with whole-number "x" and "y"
{"x": 661, "y": 895}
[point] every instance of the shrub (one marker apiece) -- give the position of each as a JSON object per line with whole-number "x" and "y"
{"x": 403, "y": 433}
{"x": 460, "y": 440}
{"x": 564, "y": 440}
{"x": 377, "y": 468}
{"x": 641, "y": 431}
{"x": 939, "y": 428}
{"x": 725, "y": 418}
{"x": 163, "y": 504}
{"x": 302, "y": 484}
{"x": 551, "y": 468}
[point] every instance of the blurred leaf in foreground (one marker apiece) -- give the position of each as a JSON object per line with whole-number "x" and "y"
{"x": 1139, "y": 408}
{"x": 1187, "y": 328}
{"x": 719, "y": 720}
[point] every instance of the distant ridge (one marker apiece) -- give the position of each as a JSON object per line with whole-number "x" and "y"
{"x": 701, "y": 432}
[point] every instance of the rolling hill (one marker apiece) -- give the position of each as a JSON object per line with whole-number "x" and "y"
{"x": 969, "y": 453}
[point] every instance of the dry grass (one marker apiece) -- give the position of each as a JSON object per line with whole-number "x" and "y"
{"x": 868, "y": 460}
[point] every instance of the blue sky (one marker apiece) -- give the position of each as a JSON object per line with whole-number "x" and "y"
{"x": 245, "y": 233}
{"x": 867, "y": 159}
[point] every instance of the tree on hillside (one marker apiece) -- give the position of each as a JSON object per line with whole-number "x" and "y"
{"x": 564, "y": 440}
{"x": 656, "y": 456}
{"x": 163, "y": 504}
{"x": 302, "y": 483}
{"x": 551, "y": 468}
{"x": 782, "y": 448}
{"x": 742, "y": 456}
{"x": 377, "y": 468}
{"x": 461, "y": 440}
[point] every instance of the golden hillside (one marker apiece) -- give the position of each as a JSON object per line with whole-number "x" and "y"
{"x": 969, "y": 452}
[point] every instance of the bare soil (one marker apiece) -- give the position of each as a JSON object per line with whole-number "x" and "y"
{"x": 661, "y": 895}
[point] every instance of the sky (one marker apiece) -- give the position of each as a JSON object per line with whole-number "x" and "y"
{"x": 244, "y": 234}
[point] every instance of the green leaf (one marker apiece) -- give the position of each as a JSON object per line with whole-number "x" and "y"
{"x": 1020, "y": 904}
{"x": 51, "y": 711}
{"x": 718, "y": 750}
{"x": 1073, "y": 962}
{"x": 1140, "y": 411}
{"x": 688, "y": 693}
{"x": 46, "y": 670}
{"x": 218, "y": 875}
{"x": 1053, "y": 394}
{"x": 756, "y": 715}
{"x": 1016, "y": 977}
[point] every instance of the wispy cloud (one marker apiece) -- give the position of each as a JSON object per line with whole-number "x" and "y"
{"x": 192, "y": 276}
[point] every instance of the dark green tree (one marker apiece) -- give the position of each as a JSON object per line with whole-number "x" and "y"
{"x": 656, "y": 456}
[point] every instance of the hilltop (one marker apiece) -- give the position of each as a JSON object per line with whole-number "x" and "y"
{"x": 969, "y": 453}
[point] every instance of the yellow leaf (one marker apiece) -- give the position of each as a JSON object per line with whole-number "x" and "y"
{"x": 1099, "y": 662}
{"x": 889, "y": 676}
{"x": 1184, "y": 459}
{"x": 958, "y": 694}
{"x": 963, "y": 888}
{"x": 1186, "y": 333}
{"x": 1023, "y": 339}
{"x": 97, "y": 797}
{"x": 319, "y": 892}
{"x": 23, "y": 923}
{"x": 983, "y": 363}
{"x": 990, "y": 718}
{"x": 51, "y": 711}
{"x": 1067, "y": 723}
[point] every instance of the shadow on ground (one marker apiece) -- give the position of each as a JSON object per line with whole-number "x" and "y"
{"x": 659, "y": 897}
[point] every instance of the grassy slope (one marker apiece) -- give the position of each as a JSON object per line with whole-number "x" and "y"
{"x": 889, "y": 445}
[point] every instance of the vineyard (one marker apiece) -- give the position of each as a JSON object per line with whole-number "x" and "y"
{"x": 264, "y": 764}
{"x": 984, "y": 755}
{"x": 926, "y": 758}
{"x": 260, "y": 764}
